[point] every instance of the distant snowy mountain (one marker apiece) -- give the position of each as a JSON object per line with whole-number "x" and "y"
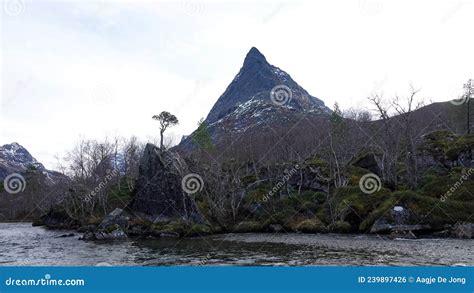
{"x": 16, "y": 159}
{"x": 260, "y": 95}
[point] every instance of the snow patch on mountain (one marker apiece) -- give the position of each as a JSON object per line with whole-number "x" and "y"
{"x": 14, "y": 158}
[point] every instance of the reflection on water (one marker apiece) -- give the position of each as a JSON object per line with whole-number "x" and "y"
{"x": 22, "y": 244}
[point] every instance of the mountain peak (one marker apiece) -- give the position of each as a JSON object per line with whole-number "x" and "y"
{"x": 14, "y": 158}
{"x": 260, "y": 94}
{"x": 257, "y": 80}
{"x": 16, "y": 153}
{"x": 254, "y": 55}
{"x": 13, "y": 147}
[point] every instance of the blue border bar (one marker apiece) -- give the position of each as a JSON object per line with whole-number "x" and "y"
{"x": 238, "y": 279}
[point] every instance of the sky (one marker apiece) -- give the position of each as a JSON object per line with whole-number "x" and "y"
{"x": 87, "y": 69}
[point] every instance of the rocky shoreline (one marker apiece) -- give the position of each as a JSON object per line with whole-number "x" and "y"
{"x": 120, "y": 225}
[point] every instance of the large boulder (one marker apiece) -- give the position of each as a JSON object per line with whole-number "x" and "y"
{"x": 313, "y": 175}
{"x": 448, "y": 149}
{"x": 112, "y": 227}
{"x": 159, "y": 196}
{"x": 57, "y": 218}
{"x": 398, "y": 221}
{"x": 463, "y": 230}
{"x": 369, "y": 161}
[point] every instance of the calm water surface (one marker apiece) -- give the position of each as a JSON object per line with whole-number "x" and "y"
{"x": 22, "y": 244}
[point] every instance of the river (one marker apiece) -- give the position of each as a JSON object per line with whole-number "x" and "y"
{"x": 24, "y": 245}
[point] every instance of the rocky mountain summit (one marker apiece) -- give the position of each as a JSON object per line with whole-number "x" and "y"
{"x": 259, "y": 95}
{"x": 262, "y": 85}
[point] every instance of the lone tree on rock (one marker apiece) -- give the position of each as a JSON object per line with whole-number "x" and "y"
{"x": 166, "y": 120}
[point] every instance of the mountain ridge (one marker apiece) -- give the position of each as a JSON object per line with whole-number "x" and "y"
{"x": 14, "y": 158}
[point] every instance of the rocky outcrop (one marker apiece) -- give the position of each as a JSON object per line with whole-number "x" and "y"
{"x": 56, "y": 218}
{"x": 463, "y": 230}
{"x": 112, "y": 227}
{"x": 448, "y": 149}
{"x": 312, "y": 175}
{"x": 159, "y": 195}
{"x": 398, "y": 222}
{"x": 369, "y": 161}
{"x": 160, "y": 206}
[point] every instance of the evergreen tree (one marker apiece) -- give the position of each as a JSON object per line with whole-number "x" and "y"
{"x": 202, "y": 136}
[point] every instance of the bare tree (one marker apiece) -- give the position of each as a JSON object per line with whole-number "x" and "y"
{"x": 387, "y": 142}
{"x": 404, "y": 108}
{"x": 358, "y": 115}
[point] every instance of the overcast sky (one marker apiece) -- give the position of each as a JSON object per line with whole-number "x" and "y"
{"x": 72, "y": 69}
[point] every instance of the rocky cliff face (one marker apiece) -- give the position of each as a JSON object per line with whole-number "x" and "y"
{"x": 159, "y": 194}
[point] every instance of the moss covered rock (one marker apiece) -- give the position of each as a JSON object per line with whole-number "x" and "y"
{"x": 340, "y": 227}
{"x": 313, "y": 225}
{"x": 248, "y": 226}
